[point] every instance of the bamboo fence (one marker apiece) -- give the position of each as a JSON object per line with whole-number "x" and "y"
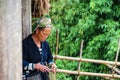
{"x": 86, "y": 60}
{"x": 110, "y": 64}
{"x": 88, "y": 73}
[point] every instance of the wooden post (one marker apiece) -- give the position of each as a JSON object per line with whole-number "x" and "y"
{"x": 116, "y": 59}
{"x": 53, "y": 75}
{"x": 26, "y": 18}
{"x": 57, "y": 41}
{"x": 81, "y": 46}
{"x": 10, "y": 40}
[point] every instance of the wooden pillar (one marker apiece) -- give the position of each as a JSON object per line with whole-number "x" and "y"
{"x": 26, "y": 18}
{"x": 10, "y": 40}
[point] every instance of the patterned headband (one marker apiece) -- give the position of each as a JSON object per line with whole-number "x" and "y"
{"x": 43, "y": 22}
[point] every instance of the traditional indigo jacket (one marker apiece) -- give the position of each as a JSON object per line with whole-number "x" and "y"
{"x": 32, "y": 54}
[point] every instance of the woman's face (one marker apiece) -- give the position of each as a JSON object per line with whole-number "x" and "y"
{"x": 43, "y": 34}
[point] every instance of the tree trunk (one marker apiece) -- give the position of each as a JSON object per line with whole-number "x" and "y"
{"x": 10, "y": 40}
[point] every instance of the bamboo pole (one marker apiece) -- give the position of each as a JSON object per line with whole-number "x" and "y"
{"x": 53, "y": 75}
{"x": 80, "y": 58}
{"x": 57, "y": 41}
{"x": 115, "y": 69}
{"x": 87, "y": 73}
{"x": 86, "y": 60}
{"x": 116, "y": 59}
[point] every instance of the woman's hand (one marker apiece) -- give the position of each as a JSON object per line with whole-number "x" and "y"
{"x": 41, "y": 67}
{"x": 53, "y": 68}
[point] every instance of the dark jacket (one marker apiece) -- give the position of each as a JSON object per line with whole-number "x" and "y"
{"x": 32, "y": 55}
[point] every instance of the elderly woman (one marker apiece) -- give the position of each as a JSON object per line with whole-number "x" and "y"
{"x": 36, "y": 52}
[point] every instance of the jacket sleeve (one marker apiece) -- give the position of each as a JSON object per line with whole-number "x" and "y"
{"x": 26, "y": 64}
{"x": 49, "y": 54}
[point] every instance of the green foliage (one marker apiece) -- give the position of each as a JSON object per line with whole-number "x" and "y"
{"x": 101, "y": 6}
{"x": 97, "y": 22}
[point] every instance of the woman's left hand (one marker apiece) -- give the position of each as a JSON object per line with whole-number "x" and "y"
{"x": 53, "y": 68}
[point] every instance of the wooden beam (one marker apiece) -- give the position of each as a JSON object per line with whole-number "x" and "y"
{"x": 86, "y": 60}
{"x": 113, "y": 68}
{"x": 26, "y": 18}
{"x": 87, "y": 73}
{"x": 10, "y": 40}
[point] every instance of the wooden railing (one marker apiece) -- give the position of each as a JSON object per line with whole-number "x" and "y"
{"x": 78, "y": 72}
{"x": 110, "y": 64}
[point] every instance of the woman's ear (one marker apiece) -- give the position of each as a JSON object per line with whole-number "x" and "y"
{"x": 37, "y": 31}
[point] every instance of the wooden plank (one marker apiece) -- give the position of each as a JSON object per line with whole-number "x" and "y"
{"x": 10, "y": 40}
{"x": 26, "y": 18}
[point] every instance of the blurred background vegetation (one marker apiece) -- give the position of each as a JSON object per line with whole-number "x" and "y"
{"x": 97, "y": 22}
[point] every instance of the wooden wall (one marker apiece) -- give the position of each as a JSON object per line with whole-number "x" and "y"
{"x": 10, "y": 40}
{"x": 15, "y": 25}
{"x": 26, "y": 18}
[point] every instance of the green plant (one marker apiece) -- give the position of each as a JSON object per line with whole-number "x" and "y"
{"x": 97, "y": 22}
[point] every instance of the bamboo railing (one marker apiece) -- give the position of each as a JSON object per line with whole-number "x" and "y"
{"x": 87, "y": 60}
{"x": 110, "y": 64}
{"x": 88, "y": 73}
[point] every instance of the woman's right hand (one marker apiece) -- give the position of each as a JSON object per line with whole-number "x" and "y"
{"x": 41, "y": 67}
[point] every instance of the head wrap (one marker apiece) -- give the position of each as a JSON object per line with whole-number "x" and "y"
{"x": 43, "y": 22}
